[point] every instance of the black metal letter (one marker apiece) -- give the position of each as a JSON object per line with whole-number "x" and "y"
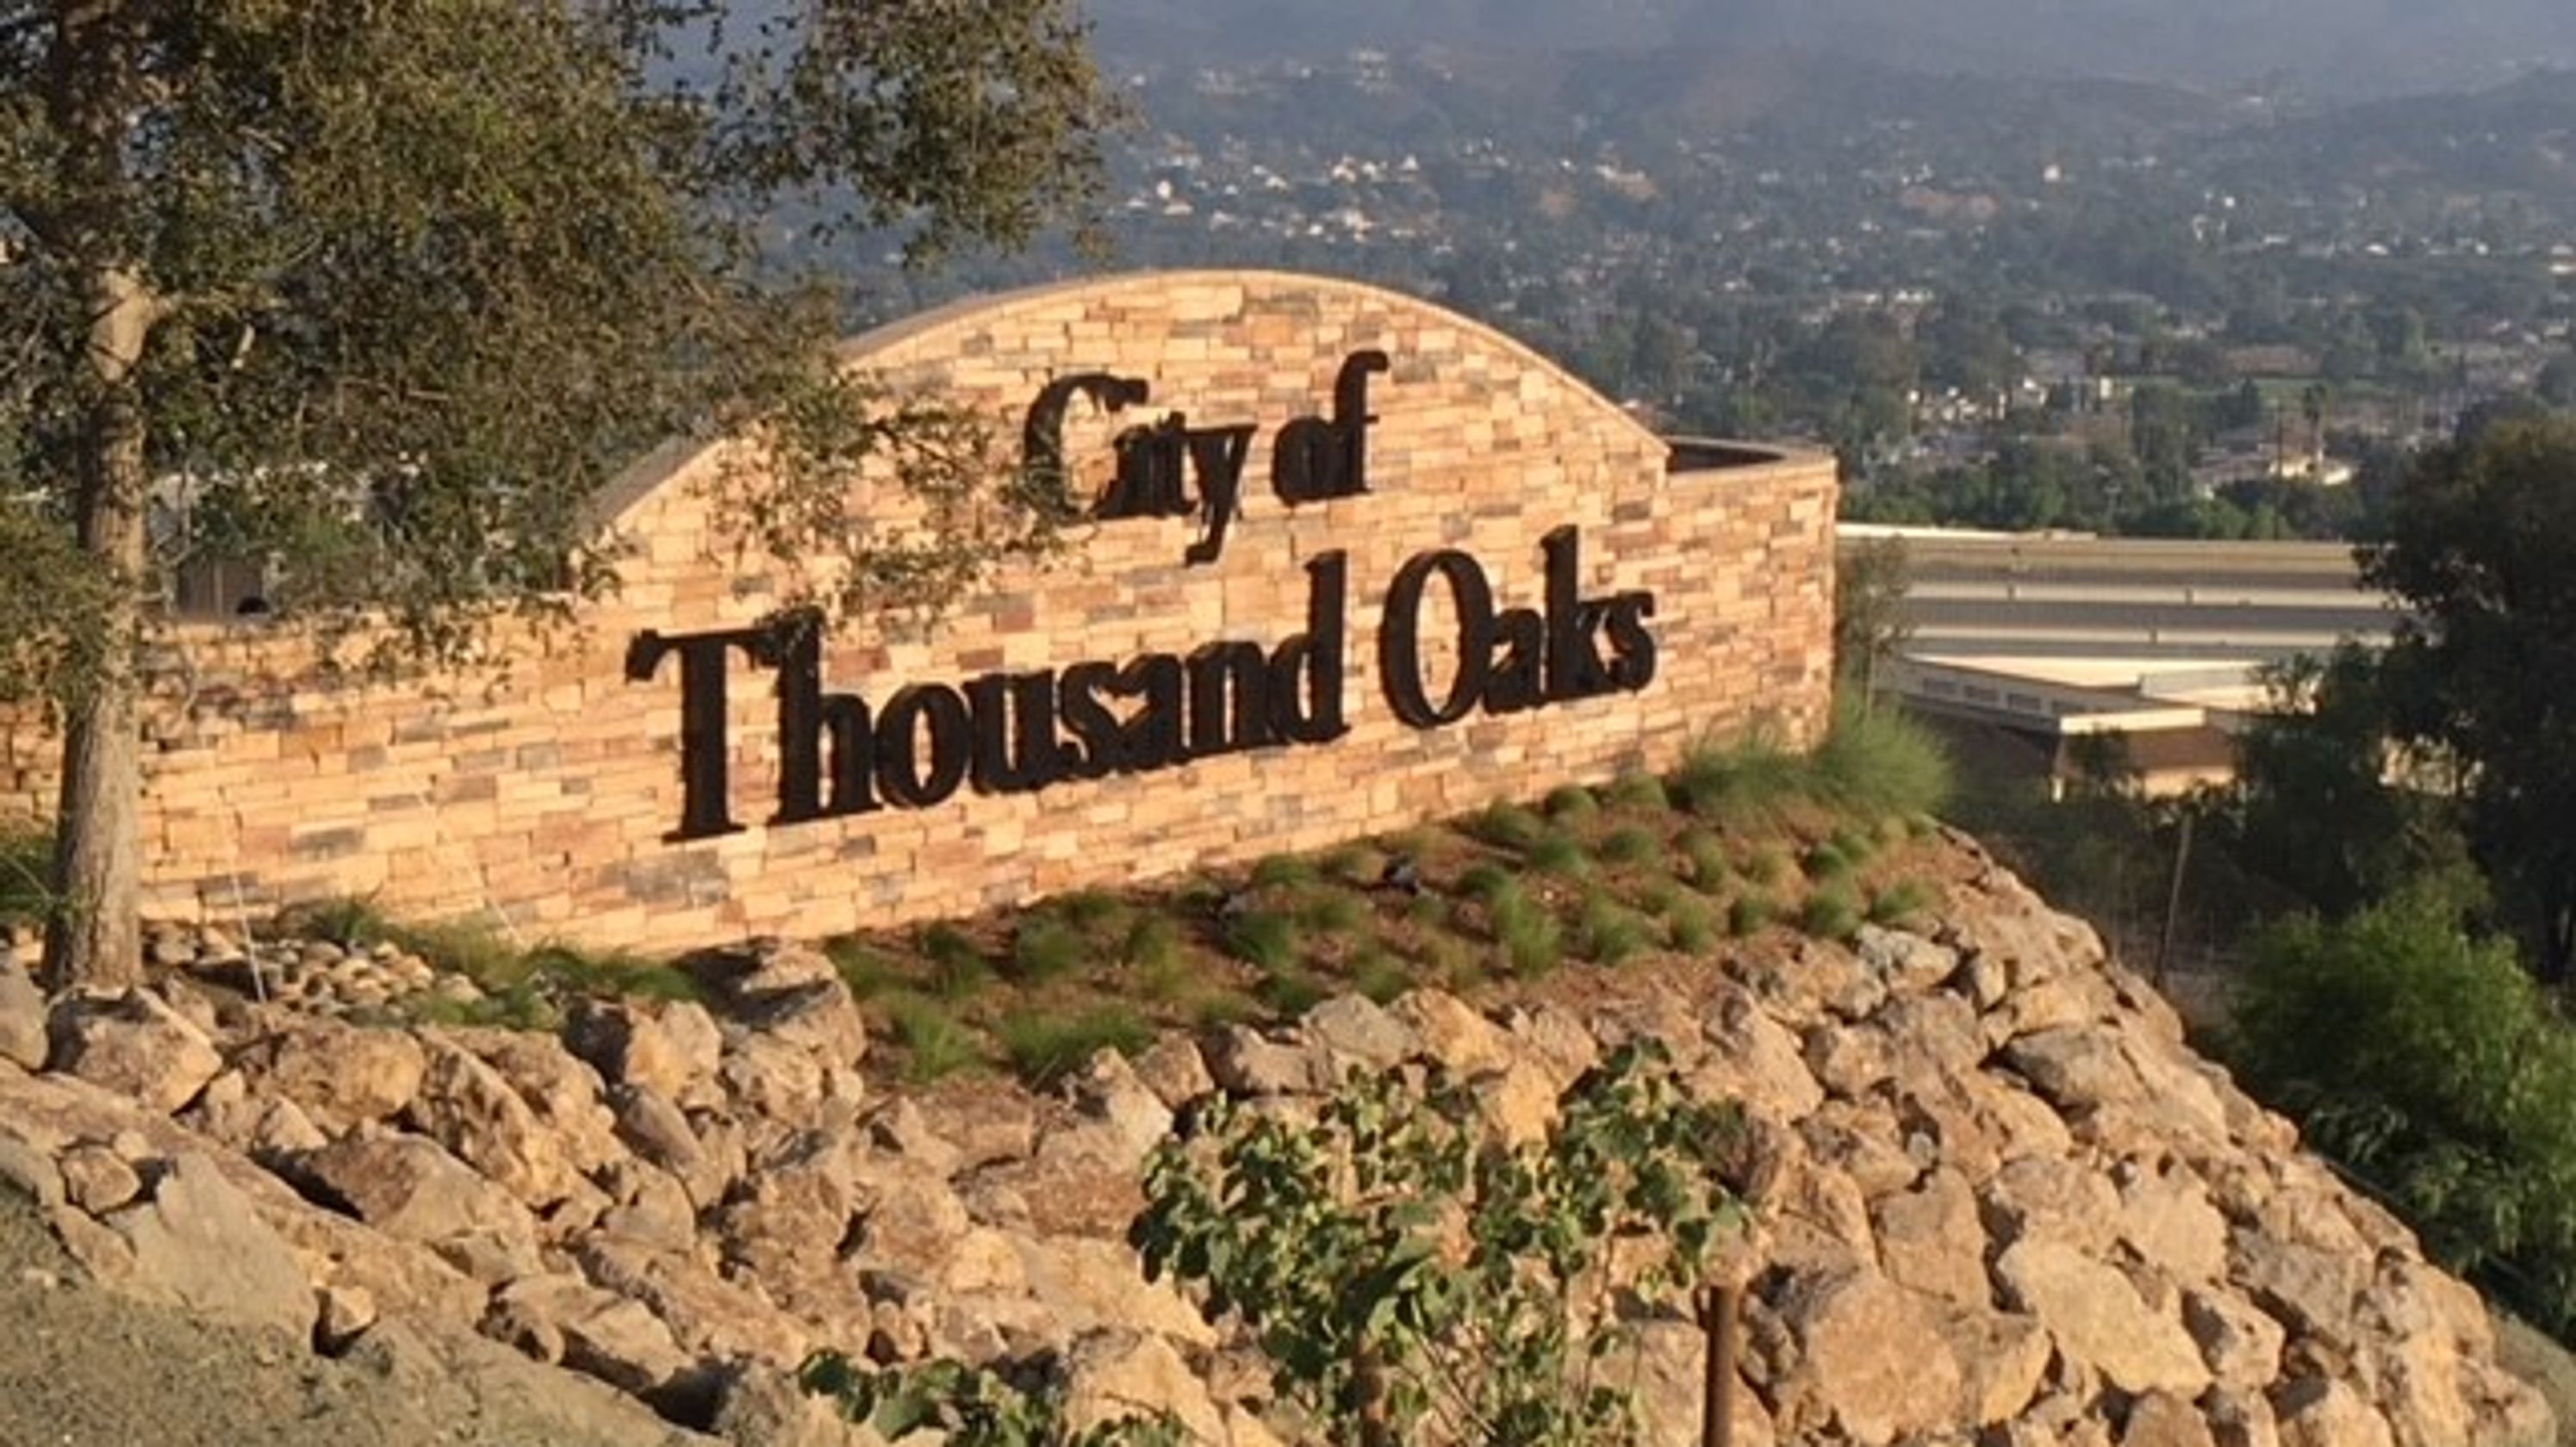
{"x": 704, "y": 734}
{"x": 1399, "y": 640}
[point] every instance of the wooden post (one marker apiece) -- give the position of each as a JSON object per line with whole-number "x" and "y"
{"x": 1718, "y": 1306}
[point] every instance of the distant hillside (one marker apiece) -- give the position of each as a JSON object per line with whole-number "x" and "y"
{"x": 2322, "y": 46}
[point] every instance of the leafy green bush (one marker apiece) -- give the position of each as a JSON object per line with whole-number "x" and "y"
{"x": 1413, "y": 1279}
{"x": 2429, "y": 1063}
{"x": 971, "y": 1406}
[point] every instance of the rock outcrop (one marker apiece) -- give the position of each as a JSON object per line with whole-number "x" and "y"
{"x": 2001, "y": 1201}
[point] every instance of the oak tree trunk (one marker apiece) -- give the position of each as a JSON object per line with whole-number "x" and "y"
{"x": 95, "y": 937}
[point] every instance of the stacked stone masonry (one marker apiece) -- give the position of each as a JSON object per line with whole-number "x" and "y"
{"x": 546, "y": 795}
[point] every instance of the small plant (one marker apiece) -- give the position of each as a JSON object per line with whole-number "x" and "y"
{"x": 1899, "y": 902}
{"x": 1750, "y": 914}
{"x": 1291, "y": 992}
{"x": 1283, "y": 871}
{"x": 1331, "y": 912}
{"x": 1507, "y": 826}
{"x": 1768, "y": 865}
{"x": 934, "y": 1045}
{"x": 1692, "y": 929}
{"x": 1483, "y": 882}
{"x": 1568, "y": 802}
{"x": 1557, "y": 853}
{"x": 970, "y": 1407}
{"x": 1610, "y": 934}
{"x": 958, "y": 969}
{"x": 1093, "y": 911}
{"x": 566, "y": 969}
{"x": 1223, "y": 1008}
{"x": 862, "y": 966}
{"x": 1856, "y": 844}
{"x": 1263, "y": 940}
{"x": 1826, "y": 861}
{"x": 1532, "y": 941}
{"x": 1152, "y": 954}
{"x": 1449, "y": 961}
{"x": 1043, "y": 950}
{"x": 1045, "y": 1048}
{"x": 1631, "y": 844}
{"x": 1830, "y": 913}
{"x": 1704, "y": 861}
{"x": 1378, "y": 974}
{"x": 1639, "y": 790}
{"x": 1357, "y": 865}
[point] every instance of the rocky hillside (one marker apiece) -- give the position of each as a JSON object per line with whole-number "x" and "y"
{"x": 2001, "y": 1201}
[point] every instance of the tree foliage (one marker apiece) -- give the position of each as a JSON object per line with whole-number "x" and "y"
{"x": 1415, "y": 1280}
{"x": 2478, "y": 549}
{"x": 2430, "y": 1064}
{"x": 380, "y": 295}
{"x": 971, "y": 1407}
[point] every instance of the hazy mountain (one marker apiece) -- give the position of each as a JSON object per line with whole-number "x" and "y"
{"x": 2321, "y": 46}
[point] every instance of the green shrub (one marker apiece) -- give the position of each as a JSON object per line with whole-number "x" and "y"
{"x": 1750, "y": 914}
{"x": 1752, "y": 779}
{"x": 1856, "y": 845}
{"x": 867, "y": 970}
{"x": 1768, "y": 865}
{"x": 1830, "y": 913}
{"x": 1571, "y": 801}
{"x": 1826, "y": 861}
{"x": 1704, "y": 861}
{"x": 1507, "y": 826}
{"x": 958, "y": 970}
{"x": 1449, "y": 961}
{"x": 2429, "y": 1063}
{"x": 1639, "y": 790}
{"x": 1877, "y": 762}
{"x": 1284, "y": 871}
{"x": 1264, "y": 940}
{"x": 1609, "y": 932}
{"x": 934, "y": 1044}
{"x": 1564, "y": 854}
{"x": 1153, "y": 956}
{"x": 1044, "y": 1048}
{"x": 1532, "y": 941}
{"x": 1899, "y": 902}
{"x": 1484, "y": 881}
{"x": 1378, "y": 974}
{"x": 1355, "y": 864}
{"x": 1093, "y": 911}
{"x": 1692, "y": 930}
{"x": 1043, "y": 950}
{"x": 1292, "y": 992}
{"x": 1630, "y": 844}
{"x": 1331, "y": 912}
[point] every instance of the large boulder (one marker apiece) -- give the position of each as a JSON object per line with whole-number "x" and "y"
{"x": 339, "y": 1075}
{"x": 2100, "y": 1320}
{"x": 198, "y": 1242}
{"x": 23, "y": 1040}
{"x": 410, "y": 1187}
{"x": 465, "y": 1105}
{"x": 1848, "y": 1326}
{"x": 135, "y": 1044}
